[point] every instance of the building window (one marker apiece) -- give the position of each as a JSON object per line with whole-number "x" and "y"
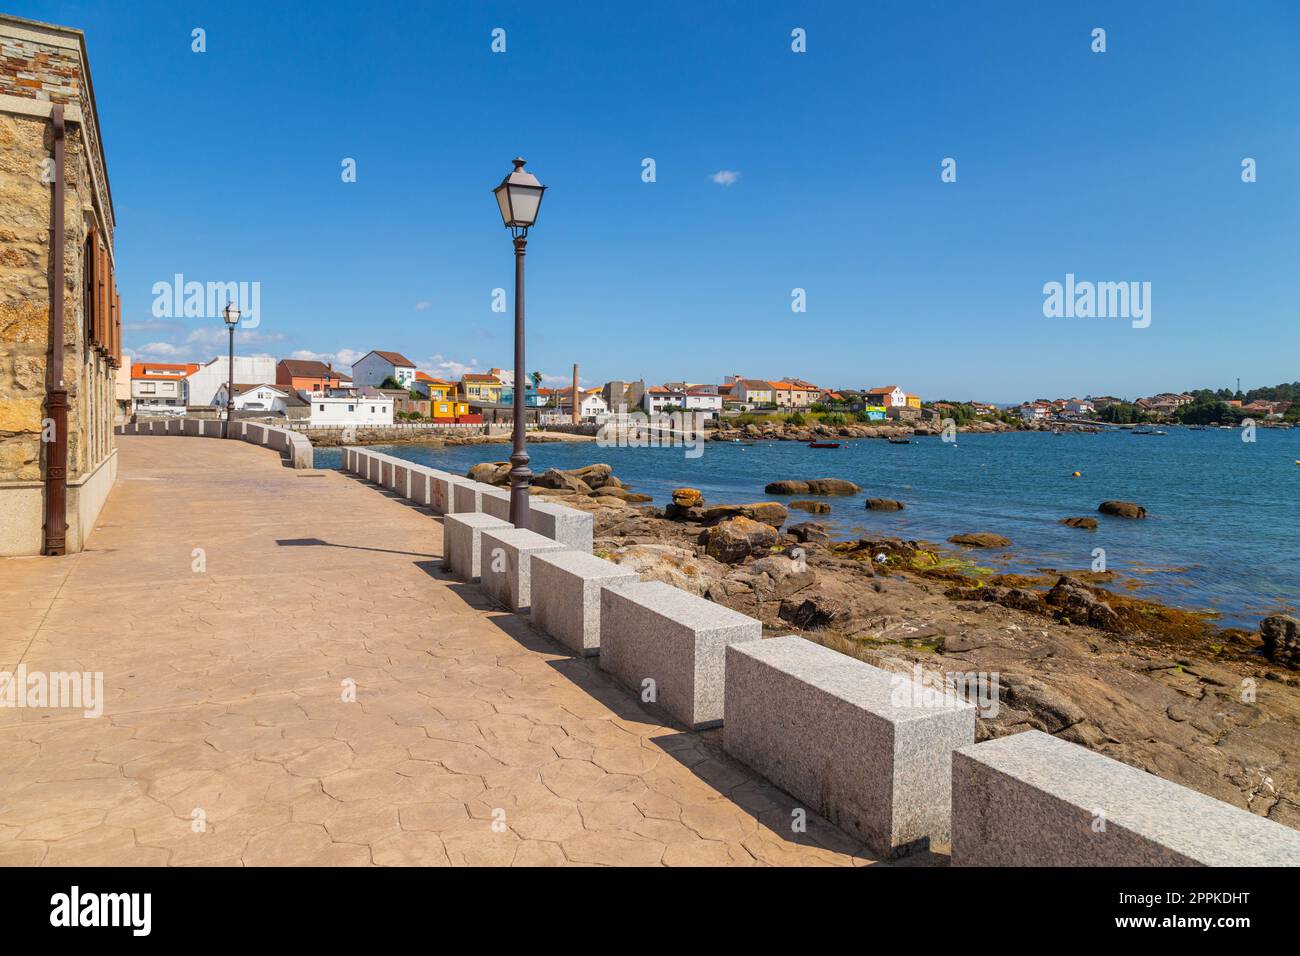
{"x": 352, "y": 408}
{"x": 322, "y": 408}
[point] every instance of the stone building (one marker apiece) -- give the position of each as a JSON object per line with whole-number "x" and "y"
{"x": 53, "y": 480}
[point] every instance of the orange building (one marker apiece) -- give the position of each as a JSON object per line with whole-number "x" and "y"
{"x": 308, "y": 376}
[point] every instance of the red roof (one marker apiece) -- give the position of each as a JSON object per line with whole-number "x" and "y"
{"x": 394, "y": 358}
{"x": 158, "y": 370}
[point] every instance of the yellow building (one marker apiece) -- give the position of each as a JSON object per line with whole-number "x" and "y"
{"x": 913, "y": 401}
{"x": 477, "y": 387}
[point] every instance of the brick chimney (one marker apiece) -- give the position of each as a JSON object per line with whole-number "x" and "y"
{"x": 577, "y": 398}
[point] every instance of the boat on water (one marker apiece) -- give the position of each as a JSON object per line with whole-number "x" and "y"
{"x": 824, "y": 444}
{"x": 899, "y": 441}
{"x": 1148, "y": 431}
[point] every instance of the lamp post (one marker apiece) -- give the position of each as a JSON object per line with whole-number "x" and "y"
{"x": 519, "y": 196}
{"x": 231, "y": 315}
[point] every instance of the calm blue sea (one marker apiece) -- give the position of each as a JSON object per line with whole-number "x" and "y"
{"x": 1222, "y": 531}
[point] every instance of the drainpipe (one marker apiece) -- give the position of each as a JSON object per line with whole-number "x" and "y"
{"x": 56, "y": 396}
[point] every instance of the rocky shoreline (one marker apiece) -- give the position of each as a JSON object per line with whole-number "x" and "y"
{"x": 1163, "y": 689}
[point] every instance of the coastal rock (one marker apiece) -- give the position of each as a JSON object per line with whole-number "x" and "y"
{"x": 1077, "y": 605}
{"x": 1122, "y": 509}
{"x": 884, "y": 504}
{"x": 1051, "y": 710}
{"x": 815, "y": 611}
{"x": 490, "y": 472}
{"x": 981, "y": 539}
{"x": 562, "y": 480}
{"x": 687, "y": 497}
{"x": 812, "y": 507}
{"x": 815, "y": 486}
{"x": 809, "y": 532}
{"x": 676, "y": 512}
{"x": 1021, "y": 599}
{"x": 768, "y": 512}
{"x": 608, "y": 490}
{"x": 662, "y": 562}
{"x": 595, "y": 476}
{"x": 832, "y": 486}
{"x": 733, "y": 540}
{"x": 1089, "y": 523}
{"x": 1281, "y": 634}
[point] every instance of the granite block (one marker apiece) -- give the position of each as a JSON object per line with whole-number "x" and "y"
{"x": 652, "y": 631}
{"x": 565, "y": 588}
{"x": 1032, "y": 799}
{"x": 569, "y": 526}
{"x": 462, "y": 542}
{"x": 506, "y": 567}
{"x": 869, "y": 749}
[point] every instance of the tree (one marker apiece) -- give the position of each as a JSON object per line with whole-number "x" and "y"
{"x": 391, "y": 382}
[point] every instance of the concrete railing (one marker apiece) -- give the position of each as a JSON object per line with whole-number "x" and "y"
{"x": 295, "y": 449}
{"x": 877, "y": 753}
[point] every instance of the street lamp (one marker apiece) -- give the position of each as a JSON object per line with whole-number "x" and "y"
{"x": 231, "y": 315}
{"x": 519, "y": 196}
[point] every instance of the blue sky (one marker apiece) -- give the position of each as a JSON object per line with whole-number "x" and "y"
{"x": 1116, "y": 166}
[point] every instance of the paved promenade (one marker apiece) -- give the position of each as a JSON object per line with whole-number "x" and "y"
{"x": 230, "y": 603}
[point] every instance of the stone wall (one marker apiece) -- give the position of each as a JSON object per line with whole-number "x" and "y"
{"x": 41, "y": 66}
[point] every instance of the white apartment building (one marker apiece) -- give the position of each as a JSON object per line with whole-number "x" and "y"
{"x": 699, "y": 400}
{"x": 157, "y": 394}
{"x": 204, "y": 384}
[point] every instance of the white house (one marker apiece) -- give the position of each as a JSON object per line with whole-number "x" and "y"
{"x": 270, "y": 399}
{"x": 1034, "y": 411}
{"x": 890, "y": 396}
{"x": 375, "y": 367}
{"x": 204, "y": 384}
{"x": 700, "y": 400}
{"x": 656, "y": 398}
{"x": 351, "y": 410}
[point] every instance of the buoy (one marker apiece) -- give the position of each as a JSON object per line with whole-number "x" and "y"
{"x": 1077, "y": 474}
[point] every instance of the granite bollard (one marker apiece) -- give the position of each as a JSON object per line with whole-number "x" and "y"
{"x": 869, "y": 749}
{"x": 652, "y": 631}
{"x": 1032, "y": 799}
{"x": 565, "y": 589}
{"x": 494, "y": 501}
{"x": 444, "y": 493}
{"x": 506, "y": 569}
{"x": 468, "y": 495}
{"x": 569, "y": 526}
{"x": 462, "y": 542}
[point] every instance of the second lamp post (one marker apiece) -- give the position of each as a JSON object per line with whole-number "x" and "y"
{"x": 231, "y": 315}
{"x": 519, "y": 196}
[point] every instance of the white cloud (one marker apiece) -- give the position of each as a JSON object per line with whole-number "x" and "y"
{"x": 422, "y": 305}
{"x": 342, "y": 359}
{"x": 217, "y": 336}
{"x": 440, "y": 367}
{"x": 725, "y": 177}
{"x": 161, "y": 350}
{"x": 562, "y": 380}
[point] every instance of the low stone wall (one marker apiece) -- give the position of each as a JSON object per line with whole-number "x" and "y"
{"x": 340, "y": 436}
{"x": 885, "y": 758}
{"x": 295, "y": 449}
